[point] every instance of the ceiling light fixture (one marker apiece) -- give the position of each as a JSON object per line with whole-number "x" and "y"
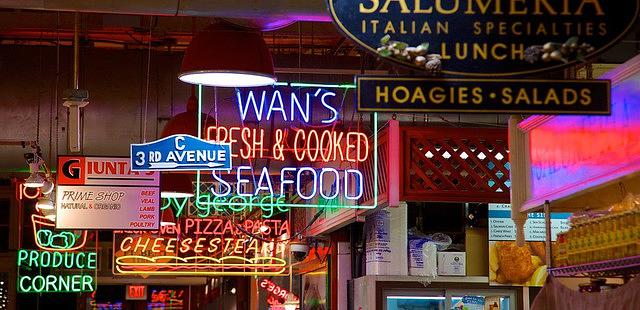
{"x": 44, "y": 203}
{"x": 226, "y": 55}
{"x": 35, "y": 179}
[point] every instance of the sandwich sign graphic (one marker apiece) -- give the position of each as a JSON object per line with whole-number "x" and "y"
{"x": 180, "y": 152}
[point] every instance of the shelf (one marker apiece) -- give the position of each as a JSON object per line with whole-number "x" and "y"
{"x": 621, "y": 267}
{"x": 437, "y": 279}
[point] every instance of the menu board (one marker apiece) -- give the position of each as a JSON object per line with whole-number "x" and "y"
{"x": 510, "y": 264}
{"x": 502, "y": 227}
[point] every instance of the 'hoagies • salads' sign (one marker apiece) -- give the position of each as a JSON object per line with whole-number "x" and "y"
{"x": 486, "y": 37}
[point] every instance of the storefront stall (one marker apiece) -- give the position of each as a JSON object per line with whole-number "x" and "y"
{"x": 589, "y": 165}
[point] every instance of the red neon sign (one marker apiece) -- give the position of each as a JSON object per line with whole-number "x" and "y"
{"x": 173, "y": 297}
{"x": 305, "y": 145}
{"x": 276, "y": 290}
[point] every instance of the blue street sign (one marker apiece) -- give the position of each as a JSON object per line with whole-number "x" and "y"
{"x": 180, "y": 152}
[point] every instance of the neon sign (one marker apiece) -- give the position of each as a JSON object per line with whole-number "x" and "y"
{"x": 323, "y": 164}
{"x": 326, "y": 182}
{"x": 204, "y": 246}
{"x": 203, "y": 203}
{"x": 33, "y": 259}
{"x": 57, "y": 267}
{"x": 28, "y": 192}
{"x": 278, "y": 295}
{"x": 287, "y": 104}
{"x": 307, "y": 145}
{"x": 48, "y": 239}
{"x": 166, "y": 299}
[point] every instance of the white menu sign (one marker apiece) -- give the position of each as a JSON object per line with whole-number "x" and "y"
{"x": 502, "y": 227}
{"x": 103, "y": 193}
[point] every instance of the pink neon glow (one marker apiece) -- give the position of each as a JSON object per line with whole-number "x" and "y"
{"x": 306, "y": 145}
{"x": 571, "y": 153}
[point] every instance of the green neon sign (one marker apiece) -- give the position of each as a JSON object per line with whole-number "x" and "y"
{"x": 208, "y": 205}
{"x": 34, "y": 260}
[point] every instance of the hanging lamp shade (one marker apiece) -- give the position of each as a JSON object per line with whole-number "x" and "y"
{"x": 34, "y": 180}
{"x": 167, "y": 218}
{"x": 176, "y": 185}
{"x": 187, "y": 122}
{"x": 179, "y": 185}
{"x": 45, "y": 203}
{"x": 227, "y": 56}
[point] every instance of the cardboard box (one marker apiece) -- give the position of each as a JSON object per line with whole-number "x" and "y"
{"x": 452, "y": 264}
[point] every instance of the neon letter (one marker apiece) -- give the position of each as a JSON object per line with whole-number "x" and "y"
{"x": 299, "y": 183}
{"x": 358, "y": 187}
{"x": 328, "y": 106}
{"x": 239, "y": 185}
{"x": 334, "y": 186}
{"x": 284, "y": 181}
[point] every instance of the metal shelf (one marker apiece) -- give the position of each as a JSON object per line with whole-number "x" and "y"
{"x": 620, "y": 267}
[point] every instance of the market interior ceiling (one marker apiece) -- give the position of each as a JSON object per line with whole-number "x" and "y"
{"x": 305, "y": 46}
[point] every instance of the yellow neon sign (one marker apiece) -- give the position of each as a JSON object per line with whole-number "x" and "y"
{"x": 204, "y": 247}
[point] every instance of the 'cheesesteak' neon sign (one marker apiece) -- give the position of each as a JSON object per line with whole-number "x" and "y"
{"x": 204, "y": 246}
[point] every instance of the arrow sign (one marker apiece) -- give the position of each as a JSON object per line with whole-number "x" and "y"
{"x": 180, "y": 152}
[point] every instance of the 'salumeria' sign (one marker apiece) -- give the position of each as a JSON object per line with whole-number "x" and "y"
{"x": 486, "y": 37}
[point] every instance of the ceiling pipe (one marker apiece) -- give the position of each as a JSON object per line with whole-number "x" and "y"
{"x": 75, "y": 98}
{"x": 266, "y": 12}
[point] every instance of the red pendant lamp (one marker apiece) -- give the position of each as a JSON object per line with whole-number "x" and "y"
{"x": 227, "y": 55}
{"x": 167, "y": 218}
{"x": 179, "y": 185}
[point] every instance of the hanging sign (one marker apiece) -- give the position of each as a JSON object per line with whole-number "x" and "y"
{"x": 203, "y": 246}
{"x": 313, "y": 160}
{"x": 485, "y": 37}
{"x": 180, "y": 152}
{"x": 104, "y": 193}
{"x": 512, "y": 96}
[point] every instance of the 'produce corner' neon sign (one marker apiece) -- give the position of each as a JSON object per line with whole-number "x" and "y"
{"x": 58, "y": 266}
{"x": 59, "y": 283}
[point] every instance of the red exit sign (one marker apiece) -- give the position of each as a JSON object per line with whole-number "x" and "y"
{"x": 136, "y": 292}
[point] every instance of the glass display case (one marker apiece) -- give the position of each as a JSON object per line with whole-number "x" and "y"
{"x": 445, "y": 299}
